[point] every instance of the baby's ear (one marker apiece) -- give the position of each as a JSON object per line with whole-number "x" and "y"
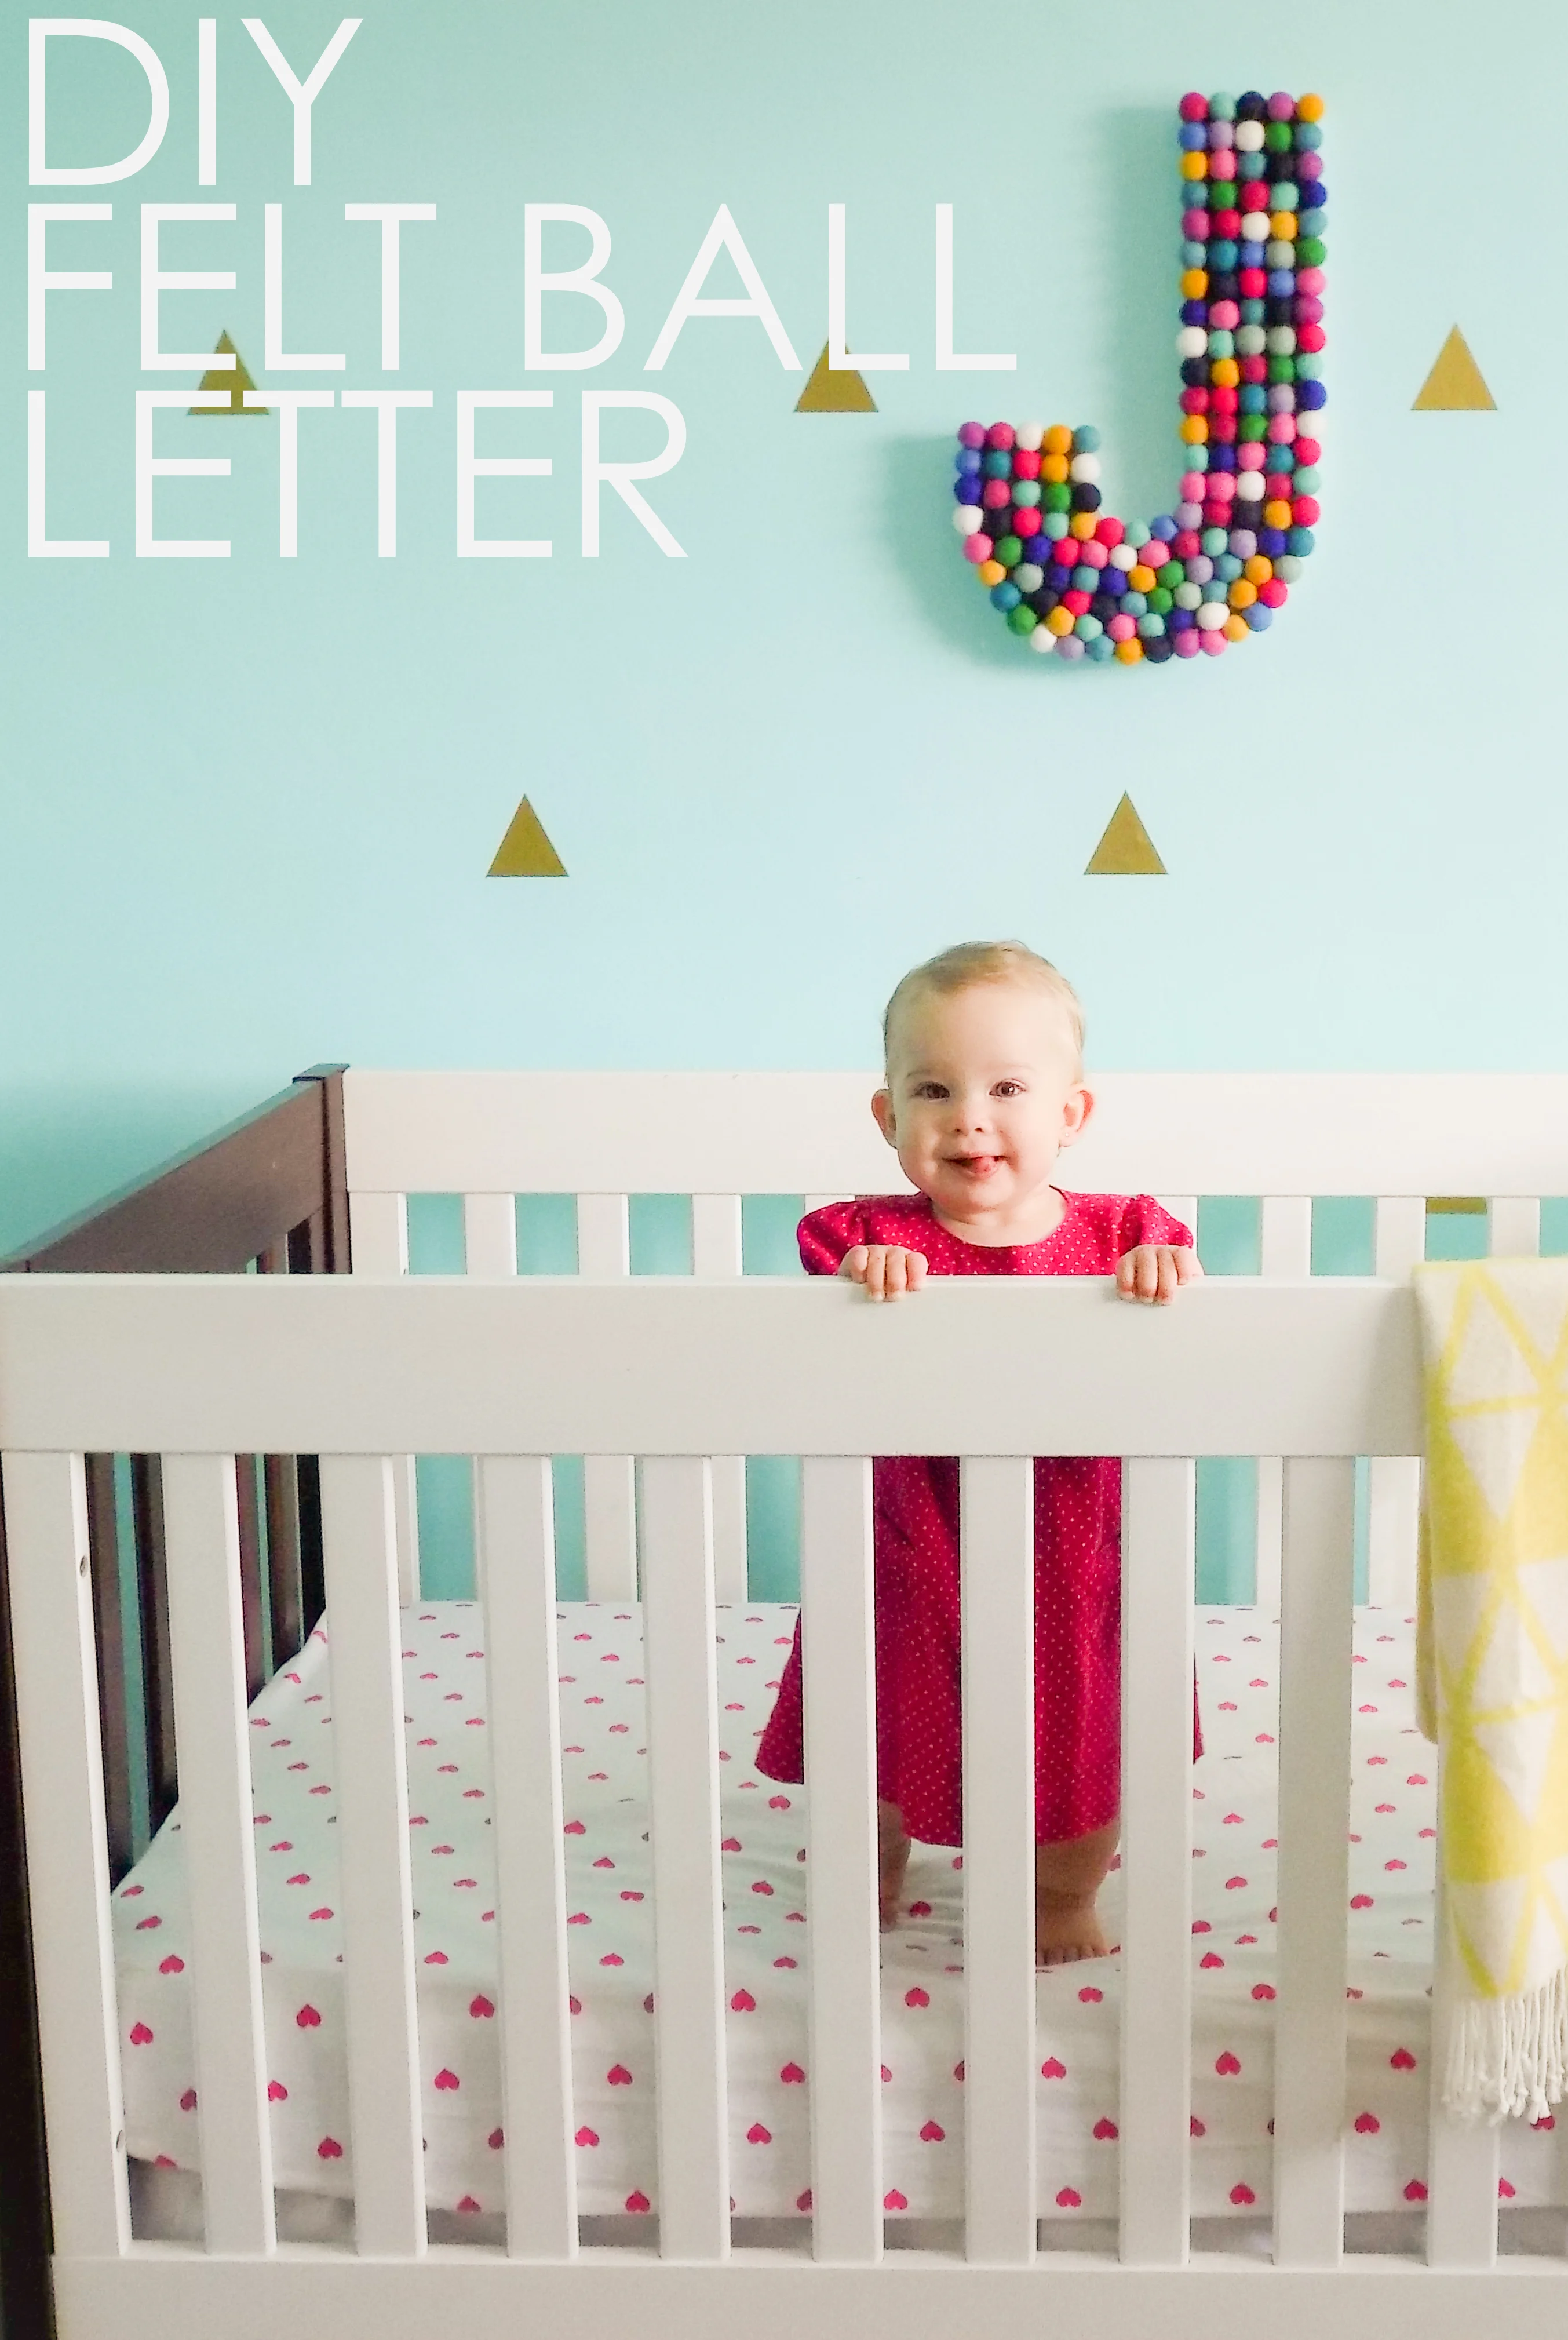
{"x": 882, "y": 1115}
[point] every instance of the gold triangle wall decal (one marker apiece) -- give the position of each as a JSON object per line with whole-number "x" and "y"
{"x": 525, "y": 851}
{"x": 1127, "y": 848}
{"x": 1456, "y": 384}
{"x": 834, "y": 392}
{"x": 235, "y": 381}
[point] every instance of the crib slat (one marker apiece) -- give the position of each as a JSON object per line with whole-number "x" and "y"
{"x": 67, "y": 1869}
{"x": 1462, "y": 2157}
{"x": 516, "y": 1536}
{"x": 683, "y": 1803}
{"x": 1315, "y": 1623}
{"x": 840, "y": 1669}
{"x": 716, "y": 1259}
{"x": 1514, "y": 1226}
{"x": 1285, "y": 1251}
{"x": 1157, "y": 1569}
{"x": 381, "y": 2027}
{"x": 997, "y": 1514}
{"x": 200, "y": 1527}
{"x": 1393, "y": 1481}
{"x": 608, "y": 1480}
{"x": 490, "y": 1234}
{"x": 379, "y": 1246}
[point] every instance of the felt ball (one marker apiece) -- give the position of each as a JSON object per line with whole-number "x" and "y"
{"x": 1059, "y": 576}
{"x": 1311, "y": 338}
{"x": 1085, "y": 440}
{"x": 1096, "y": 552}
{"x": 1302, "y": 539}
{"x": 1308, "y": 137}
{"x": 999, "y": 435}
{"x": 1157, "y": 652}
{"x": 1076, "y": 601}
{"x": 1280, "y": 404}
{"x": 1249, "y": 343}
{"x": 1162, "y": 601}
{"x": 966, "y": 488}
{"x": 1056, "y": 526}
{"x": 1195, "y": 223}
{"x": 1005, "y": 595}
{"x": 1194, "y": 429}
{"x": 1212, "y": 642}
{"x": 1222, "y": 196}
{"x": 1042, "y": 639}
{"x": 1222, "y": 254}
{"x": 1249, "y": 136}
{"x": 1188, "y": 597}
{"x": 1027, "y": 466}
{"x": 1054, "y": 469}
{"x": 1311, "y": 251}
{"x": 1281, "y": 367}
{"x": 1271, "y": 542}
{"x": 1008, "y": 551}
{"x": 1026, "y": 493}
{"x": 1226, "y": 568}
{"x": 1311, "y": 107}
{"x": 1123, "y": 556}
{"x": 1307, "y": 451}
{"x": 1282, "y": 233}
{"x": 1028, "y": 577}
{"x": 997, "y": 464}
{"x": 991, "y": 574}
{"x": 1194, "y": 253}
{"x": 1278, "y": 256}
{"x": 1258, "y": 570}
{"x": 978, "y": 547}
{"x": 1142, "y": 578}
{"x": 1220, "y": 343}
{"x": 1129, "y": 652}
{"x": 1225, "y": 316}
{"x": 1195, "y": 283}
{"x": 1306, "y": 310}
{"x": 1191, "y": 341}
{"x": 1281, "y": 283}
{"x": 1070, "y": 646}
{"x": 1163, "y": 529}
{"x": 1187, "y": 645}
{"x": 1199, "y": 568}
{"x": 1276, "y": 512}
{"x": 1242, "y": 594}
{"x": 1081, "y": 527}
{"x": 1022, "y": 618}
{"x": 1310, "y": 396}
{"x": 1214, "y": 544}
{"x": 1085, "y": 467}
{"x": 1220, "y": 133}
{"x": 1285, "y": 197}
{"x": 971, "y": 434}
{"x": 967, "y": 520}
{"x": 1192, "y": 137}
{"x": 1290, "y": 567}
{"x": 1135, "y": 604}
{"x": 1242, "y": 544}
{"x": 1275, "y": 594}
{"x": 1235, "y": 627}
{"x": 1056, "y": 498}
{"x": 1193, "y": 312}
{"x": 996, "y": 495}
{"x": 1280, "y": 427}
{"x": 1029, "y": 437}
{"x": 1151, "y": 626}
{"x": 1254, "y": 227}
{"x": 1259, "y": 618}
{"x": 1058, "y": 440}
{"x": 1086, "y": 498}
{"x": 1087, "y": 628}
{"x": 1308, "y": 166}
{"x": 1101, "y": 651}
{"x": 1225, "y": 222}
{"x": 1060, "y": 620}
{"x": 1171, "y": 574}
{"x": 1249, "y": 487}
{"x": 1194, "y": 106}
{"x": 1121, "y": 627}
{"x": 1254, "y": 283}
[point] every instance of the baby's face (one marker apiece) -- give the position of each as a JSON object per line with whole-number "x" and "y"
{"x": 983, "y": 1092}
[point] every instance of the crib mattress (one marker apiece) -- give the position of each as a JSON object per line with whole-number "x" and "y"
{"x": 608, "y": 1871}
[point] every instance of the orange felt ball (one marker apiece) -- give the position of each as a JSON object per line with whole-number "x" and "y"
{"x": 1141, "y": 579}
{"x": 1195, "y": 431}
{"x": 1130, "y": 651}
{"x": 1310, "y": 108}
{"x": 1194, "y": 166}
{"x": 1195, "y": 283}
{"x": 1236, "y": 629}
{"x": 1225, "y": 373}
{"x": 1258, "y": 570}
{"x": 1058, "y": 440}
{"x": 1058, "y": 621}
{"x": 1054, "y": 469}
{"x": 1277, "y": 514}
{"x": 1082, "y": 525}
{"x": 990, "y": 572}
{"x": 1242, "y": 595}
{"x": 1282, "y": 226}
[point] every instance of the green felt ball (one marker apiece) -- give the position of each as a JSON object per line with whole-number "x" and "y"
{"x": 1282, "y": 369}
{"x": 1162, "y": 601}
{"x": 1312, "y": 252}
{"x": 1168, "y": 577}
{"x": 1022, "y": 620}
{"x": 1252, "y": 426}
{"x": 1278, "y": 138}
{"x": 1222, "y": 194}
{"x": 1057, "y": 522}
{"x": 1221, "y": 343}
{"x": 1057, "y": 497}
{"x": 1008, "y": 551}
{"x": 1222, "y": 106}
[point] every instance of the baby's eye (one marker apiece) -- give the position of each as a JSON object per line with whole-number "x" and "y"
{"x": 929, "y": 1089}
{"x": 1007, "y": 1089}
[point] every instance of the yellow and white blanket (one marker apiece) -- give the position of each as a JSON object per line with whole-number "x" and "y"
{"x": 1494, "y": 1667}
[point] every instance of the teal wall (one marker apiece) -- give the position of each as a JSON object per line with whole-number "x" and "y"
{"x": 246, "y": 806}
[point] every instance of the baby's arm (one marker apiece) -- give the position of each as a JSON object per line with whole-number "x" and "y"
{"x": 1155, "y": 1271}
{"x": 886, "y": 1270}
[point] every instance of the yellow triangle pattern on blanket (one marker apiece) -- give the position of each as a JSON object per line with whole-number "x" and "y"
{"x": 1494, "y": 1624}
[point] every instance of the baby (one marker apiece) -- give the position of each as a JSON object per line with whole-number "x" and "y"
{"x": 984, "y": 1088}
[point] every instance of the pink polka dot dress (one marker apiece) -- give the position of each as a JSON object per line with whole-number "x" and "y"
{"x": 1078, "y": 1557}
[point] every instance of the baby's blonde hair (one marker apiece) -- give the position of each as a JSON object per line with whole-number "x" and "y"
{"x": 965, "y": 965}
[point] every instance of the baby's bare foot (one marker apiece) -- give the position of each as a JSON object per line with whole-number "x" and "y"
{"x": 892, "y": 1861}
{"x": 1066, "y": 1928}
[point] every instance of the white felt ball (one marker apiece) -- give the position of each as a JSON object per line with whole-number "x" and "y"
{"x": 1042, "y": 639}
{"x": 969, "y": 520}
{"x": 1281, "y": 340}
{"x": 1249, "y": 341}
{"x": 1248, "y": 137}
{"x": 1028, "y": 577}
{"x": 1123, "y": 556}
{"x": 1085, "y": 468}
{"x": 1211, "y": 615}
{"x": 1254, "y": 227}
{"x": 1028, "y": 435}
{"x": 1191, "y": 341}
{"x": 1249, "y": 488}
{"x": 1289, "y": 567}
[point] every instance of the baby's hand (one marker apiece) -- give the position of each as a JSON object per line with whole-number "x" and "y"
{"x": 885, "y": 1269}
{"x": 1154, "y": 1270}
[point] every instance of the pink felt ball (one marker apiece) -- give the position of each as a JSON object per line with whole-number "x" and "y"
{"x": 1282, "y": 106}
{"x": 1027, "y": 463}
{"x": 1110, "y": 530}
{"x": 1274, "y": 595}
{"x": 1307, "y": 311}
{"x": 1308, "y": 166}
{"x": 1194, "y": 106}
{"x": 1224, "y": 316}
{"x": 1092, "y": 554}
{"x": 1282, "y": 429}
{"x": 994, "y": 494}
{"x": 1254, "y": 283}
{"x": 1221, "y": 489}
{"x": 1122, "y": 628}
{"x": 1212, "y": 642}
{"x": 971, "y": 434}
{"x": 1188, "y": 644}
{"x": 1310, "y": 280}
{"x": 1195, "y": 225}
{"x": 1186, "y": 544}
{"x": 1000, "y": 434}
{"x": 1305, "y": 512}
{"x": 1217, "y": 515}
{"x": 1309, "y": 450}
{"x": 1194, "y": 402}
{"x": 1311, "y": 337}
{"x": 976, "y": 549}
{"x": 1153, "y": 554}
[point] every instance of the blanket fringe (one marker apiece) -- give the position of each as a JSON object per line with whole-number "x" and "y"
{"x": 1509, "y": 2056}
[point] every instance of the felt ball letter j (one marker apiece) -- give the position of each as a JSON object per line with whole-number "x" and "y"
{"x": 1068, "y": 577}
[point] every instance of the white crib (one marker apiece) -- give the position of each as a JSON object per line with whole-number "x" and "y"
{"x": 689, "y": 1376}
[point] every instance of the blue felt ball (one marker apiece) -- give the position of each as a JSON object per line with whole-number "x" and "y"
{"x": 1227, "y": 567}
{"x": 1135, "y": 604}
{"x": 1152, "y": 626}
{"x": 1085, "y": 439}
{"x": 998, "y": 464}
{"x": 1180, "y": 621}
{"x": 964, "y": 488}
{"x": 1157, "y": 652}
{"x": 1308, "y": 137}
{"x": 1252, "y": 398}
{"x": 1005, "y": 595}
{"x": 1192, "y": 137}
{"x": 1259, "y": 617}
{"x": 1281, "y": 283}
{"x": 1302, "y": 541}
{"x": 1100, "y": 649}
{"x": 1060, "y": 577}
{"x": 1222, "y": 253}
{"x": 1250, "y": 255}
{"x": 1161, "y": 531}
{"x": 968, "y": 461}
{"x": 1113, "y": 582}
{"x": 1314, "y": 195}
{"x": 1310, "y": 396}
{"x": 1194, "y": 253}
{"x": 1086, "y": 579}
{"x": 1271, "y": 542}
{"x": 1195, "y": 312}
{"x": 1314, "y": 222}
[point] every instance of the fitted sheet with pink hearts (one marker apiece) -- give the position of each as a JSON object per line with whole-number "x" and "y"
{"x": 766, "y": 1932}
